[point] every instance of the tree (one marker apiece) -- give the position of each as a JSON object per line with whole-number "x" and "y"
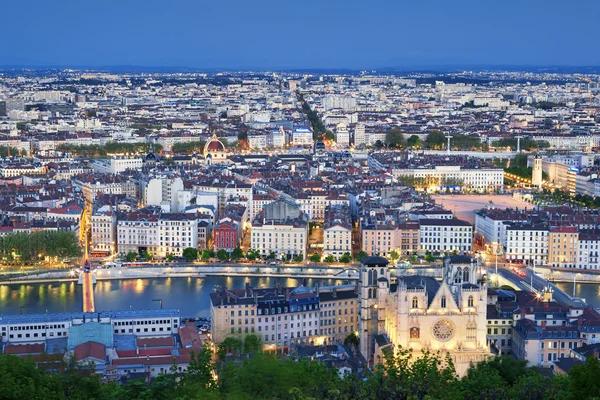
{"x": 252, "y": 255}
{"x": 190, "y": 254}
{"x": 146, "y": 255}
{"x": 131, "y": 256}
{"x": 394, "y": 255}
{"x": 429, "y": 258}
{"x": 378, "y": 145}
{"x": 360, "y": 255}
{"x": 394, "y": 138}
{"x": 315, "y": 258}
{"x": 252, "y": 344}
{"x": 169, "y": 257}
{"x": 585, "y": 382}
{"x": 351, "y": 339}
{"x": 237, "y": 253}
{"x": 345, "y": 258}
{"x": 435, "y": 140}
{"x": 299, "y": 258}
{"x": 228, "y": 346}
{"x": 272, "y": 255}
{"x": 329, "y": 259}
{"x": 222, "y": 255}
{"x": 207, "y": 255}
{"x": 414, "y": 141}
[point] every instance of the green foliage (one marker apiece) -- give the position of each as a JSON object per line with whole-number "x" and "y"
{"x": 146, "y": 255}
{"x": 25, "y": 247}
{"x": 237, "y": 253}
{"x": 207, "y": 255}
{"x": 299, "y": 258}
{"x": 547, "y": 105}
{"x": 169, "y": 257}
{"x": 253, "y": 255}
{"x": 351, "y": 339}
{"x": 229, "y": 346}
{"x": 378, "y": 145}
{"x": 329, "y": 259}
{"x": 429, "y": 258}
{"x": 189, "y": 147}
{"x": 252, "y": 344}
{"x": 360, "y": 255}
{"x": 315, "y": 258}
{"x": 435, "y": 140}
{"x": 394, "y": 255}
{"x": 316, "y": 123}
{"x": 414, "y": 141}
{"x": 400, "y": 375}
{"x": 222, "y": 255}
{"x": 525, "y": 144}
{"x": 394, "y": 138}
{"x": 190, "y": 254}
{"x": 95, "y": 150}
{"x": 131, "y": 256}
{"x": 345, "y": 258}
{"x": 272, "y": 255}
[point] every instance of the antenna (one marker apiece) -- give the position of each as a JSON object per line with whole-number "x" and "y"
{"x": 448, "y": 148}
{"x": 519, "y": 137}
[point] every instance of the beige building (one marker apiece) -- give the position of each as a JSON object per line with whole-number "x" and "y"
{"x": 379, "y": 238}
{"x": 337, "y": 232}
{"x": 424, "y": 314}
{"x": 338, "y": 313}
{"x": 563, "y": 247}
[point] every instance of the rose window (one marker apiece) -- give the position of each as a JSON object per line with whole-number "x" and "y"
{"x": 443, "y": 330}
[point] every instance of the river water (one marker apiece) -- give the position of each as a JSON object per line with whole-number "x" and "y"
{"x": 189, "y": 295}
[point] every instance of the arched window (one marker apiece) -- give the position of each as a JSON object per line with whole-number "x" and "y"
{"x": 381, "y": 272}
{"x": 466, "y": 275}
{"x": 443, "y": 302}
{"x": 370, "y": 277}
{"x": 415, "y": 302}
{"x": 374, "y": 293}
{"x": 470, "y": 301}
{"x": 458, "y": 276}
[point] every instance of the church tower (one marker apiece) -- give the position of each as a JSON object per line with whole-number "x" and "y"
{"x": 374, "y": 287}
{"x": 536, "y": 174}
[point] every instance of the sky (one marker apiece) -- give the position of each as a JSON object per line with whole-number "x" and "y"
{"x": 305, "y": 34}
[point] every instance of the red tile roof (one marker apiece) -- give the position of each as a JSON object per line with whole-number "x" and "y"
{"x": 90, "y": 349}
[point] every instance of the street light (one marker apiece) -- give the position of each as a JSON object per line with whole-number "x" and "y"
{"x": 159, "y": 300}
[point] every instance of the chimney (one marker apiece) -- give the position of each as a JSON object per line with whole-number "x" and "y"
{"x": 278, "y": 288}
{"x": 247, "y": 294}
{"x": 304, "y": 282}
{"x": 287, "y": 294}
{"x": 334, "y": 292}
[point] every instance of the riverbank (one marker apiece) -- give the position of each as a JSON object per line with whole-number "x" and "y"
{"x": 191, "y": 272}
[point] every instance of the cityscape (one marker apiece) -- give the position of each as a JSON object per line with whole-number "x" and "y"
{"x": 329, "y": 229}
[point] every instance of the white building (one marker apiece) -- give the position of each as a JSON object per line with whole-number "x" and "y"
{"x": 337, "y": 232}
{"x": 360, "y": 138}
{"x": 446, "y": 235}
{"x": 116, "y": 165}
{"x": 525, "y": 243}
{"x": 302, "y": 136}
{"x": 342, "y": 135}
{"x": 104, "y": 231}
{"x": 285, "y": 239}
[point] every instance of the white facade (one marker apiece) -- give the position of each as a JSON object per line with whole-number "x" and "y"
{"x": 116, "y": 165}
{"x": 282, "y": 239}
{"x": 359, "y": 135}
{"x": 337, "y": 240}
{"x": 302, "y": 137}
{"x": 104, "y": 225}
{"x": 342, "y": 135}
{"x": 479, "y": 180}
{"x": 443, "y": 235}
{"x": 525, "y": 243}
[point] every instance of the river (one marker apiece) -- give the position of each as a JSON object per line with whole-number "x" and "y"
{"x": 189, "y": 295}
{"x": 589, "y": 291}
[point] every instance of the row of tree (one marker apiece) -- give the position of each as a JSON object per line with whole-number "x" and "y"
{"x": 524, "y": 144}
{"x": 435, "y": 140}
{"x": 189, "y": 147}
{"x": 261, "y": 376}
{"x": 319, "y": 130}
{"x": 94, "y": 150}
{"x": 24, "y": 248}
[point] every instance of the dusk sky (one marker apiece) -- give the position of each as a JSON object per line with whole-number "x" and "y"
{"x": 264, "y": 34}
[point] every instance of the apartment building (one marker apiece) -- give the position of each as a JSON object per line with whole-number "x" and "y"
{"x": 587, "y": 250}
{"x": 446, "y": 235}
{"x": 282, "y": 316}
{"x": 337, "y": 231}
{"x": 379, "y": 238}
{"x": 116, "y": 165}
{"x": 563, "y": 246}
{"x": 104, "y": 231}
{"x": 525, "y": 243}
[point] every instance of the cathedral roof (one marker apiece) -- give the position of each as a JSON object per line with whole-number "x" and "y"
{"x": 375, "y": 260}
{"x": 461, "y": 259}
{"x": 422, "y": 282}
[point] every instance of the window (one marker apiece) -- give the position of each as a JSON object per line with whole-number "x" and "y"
{"x": 415, "y": 302}
{"x": 470, "y": 301}
{"x": 443, "y": 302}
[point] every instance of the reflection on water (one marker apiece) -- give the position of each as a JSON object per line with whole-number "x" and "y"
{"x": 189, "y": 295}
{"x": 589, "y": 291}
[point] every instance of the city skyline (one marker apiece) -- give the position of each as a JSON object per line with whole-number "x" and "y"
{"x": 270, "y": 35}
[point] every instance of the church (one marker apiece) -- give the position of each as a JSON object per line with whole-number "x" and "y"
{"x": 422, "y": 313}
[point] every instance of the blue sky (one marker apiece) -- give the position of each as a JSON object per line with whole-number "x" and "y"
{"x": 284, "y": 34}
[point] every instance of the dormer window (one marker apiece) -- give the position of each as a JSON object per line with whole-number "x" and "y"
{"x": 443, "y": 302}
{"x": 470, "y": 301}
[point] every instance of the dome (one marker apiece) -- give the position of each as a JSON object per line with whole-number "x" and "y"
{"x": 214, "y": 145}
{"x": 151, "y": 157}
